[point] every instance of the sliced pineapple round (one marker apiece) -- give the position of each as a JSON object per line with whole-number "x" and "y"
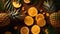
{"x": 24, "y": 30}
{"x": 35, "y": 29}
{"x": 16, "y": 4}
{"x": 41, "y": 22}
{"x": 39, "y": 16}
{"x": 32, "y": 11}
{"x": 28, "y": 21}
{"x": 27, "y": 1}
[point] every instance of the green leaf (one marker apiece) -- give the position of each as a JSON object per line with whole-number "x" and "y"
{"x": 49, "y": 5}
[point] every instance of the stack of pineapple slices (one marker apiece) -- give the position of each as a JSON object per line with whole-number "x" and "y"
{"x": 40, "y": 21}
{"x": 39, "y": 18}
{"x": 33, "y": 12}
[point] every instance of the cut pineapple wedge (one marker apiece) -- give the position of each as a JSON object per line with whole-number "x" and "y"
{"x": 32, "y": 11}
{"x": 16, "y": 4}
{"x": 27, "y": 1}
{"x": 28, "y": 21}
{"x": 35, "y": 29}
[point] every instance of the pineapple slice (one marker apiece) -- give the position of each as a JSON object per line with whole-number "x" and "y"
{"x": 28, "y": 20}
{"x": 24, "y": 30}
{"x": 27, "y": 1}
{"x": 41, "y": 22}
{"x": 16, "y": 4}
{"x": 39, "y": 16}
{"x": 35, "y": 29}
{"x": 32, "y": 11}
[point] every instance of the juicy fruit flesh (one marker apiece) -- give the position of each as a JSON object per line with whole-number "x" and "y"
{"x": 35, "y": 29}
{"x": 24, "y": 30}
{"x": 16, "y": 5}
{"x": 28, "y": 20}
{"x": 41, "y": 22}
{"x": 39, "y": 16}
{"x": 32, "y": 11}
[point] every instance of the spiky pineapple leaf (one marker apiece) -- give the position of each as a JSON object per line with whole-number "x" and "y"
{"x": 49, "y": 5}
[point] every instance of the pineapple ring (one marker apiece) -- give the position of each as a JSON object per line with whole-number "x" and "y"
{"x": 41, "y": 22}
{"x": 16, "y": 5}
{"x": 28, "y": 20}
{"x": 27, "y": 1}
{"x": 39, "y": 16}
{"x": 32, "y": 11}
{"x": 24, "y": 30}
{"x": 35, "y": 29}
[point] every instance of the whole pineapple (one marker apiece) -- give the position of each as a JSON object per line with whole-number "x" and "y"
{"x": 4, "y": 19}
{"x": 55, "y": 19}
